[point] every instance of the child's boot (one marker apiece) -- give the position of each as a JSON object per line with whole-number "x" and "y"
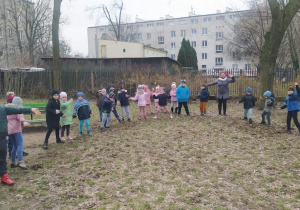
{"x": 45, "y": 145}
{"x": 80, "y": 134}
{"x": 245, "y": 118}
{"x": 171, "y": 116}
{"x": 101, "y": 129}
{"x": 89, "y": 133}
{"x": 250, "y": 121}
{"x": 63, "y": 138}
{"x": 6, "y": 180}
{"x": 176, "y": 110}
{"x": 140, "y": 117}
{"x": 145, "y": 116}
{"x": 172, "y": 109}
{"x": 22, "y": 165}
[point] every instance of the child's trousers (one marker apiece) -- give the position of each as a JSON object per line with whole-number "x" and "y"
{"x": 87, "y": 124}
{"x": 268, "y": 117}
{"x": 249, "y": 112}
{"x": 106, "y": 118}
{"x": 203, "y": 107}
{"x": 125, "y": 109}
{"x": 290, "y": 115}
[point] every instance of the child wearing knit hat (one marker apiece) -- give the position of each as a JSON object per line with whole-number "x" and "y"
{"x": 174, "y": 102}
{"x": 14, "y": 128}
{"x": 53, "y": 115}
{"x": 148, "y": 98}
{"x": 83, "y": 110}
{"x": 269, "y": 106}
{"x": 141, "y": 98}
{"x": 249, "y": 102}
{"x": 65, "y": 122}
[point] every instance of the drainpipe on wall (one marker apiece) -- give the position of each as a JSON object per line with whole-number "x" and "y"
{"x": 96, "y": 46}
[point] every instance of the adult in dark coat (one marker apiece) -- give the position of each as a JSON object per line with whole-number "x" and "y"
{"x": 223, "y": 90}
{"x": 53, "y": 115}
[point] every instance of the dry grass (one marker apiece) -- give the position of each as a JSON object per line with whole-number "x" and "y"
{"x": 195, "y": 162}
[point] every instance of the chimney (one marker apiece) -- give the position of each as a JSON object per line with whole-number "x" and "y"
{"x": 228, "y": 9}
{"x": 169, "y": 17}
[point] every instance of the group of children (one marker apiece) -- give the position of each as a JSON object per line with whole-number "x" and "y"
{"x": 58, "y": 112}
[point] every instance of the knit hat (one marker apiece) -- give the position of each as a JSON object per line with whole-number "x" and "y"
{"x": 63, "y": 95}
{"x": 111, "y": 95}
{"x": 249, "y": 89}
{"x": 9, "y": 97}
{"x": 80, "y": 94}
{"x": 55, "y": 92}
{"x": 140, "y": 87}
{"x": 122, "y": 87}
{"x": 183, "y": 81}
{"x": 173, "y": 85}
{"x": 157, "y": 88}
{"x": 291, "y": 89}
{"x": 267, "y": 94}
{"x": 110, "y": 89}
{"x": 103, "y": 90}
{"x": 17, "y": 101}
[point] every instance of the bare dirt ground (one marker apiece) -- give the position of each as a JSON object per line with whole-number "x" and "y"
{"x": 189, "y": 162}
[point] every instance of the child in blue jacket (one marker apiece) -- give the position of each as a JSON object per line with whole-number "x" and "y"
{"x": 292, "y": 105}
{"x": 183, "y": 95}
{"x": 83, "y": 110}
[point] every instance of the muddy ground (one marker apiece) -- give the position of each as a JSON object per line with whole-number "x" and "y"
{"x": 189, "y": 162}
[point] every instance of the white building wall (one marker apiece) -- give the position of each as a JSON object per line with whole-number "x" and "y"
{"x": 163, "y": 28}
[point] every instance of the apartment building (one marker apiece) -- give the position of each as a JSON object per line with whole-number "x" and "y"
{"x": 208, "y": 34}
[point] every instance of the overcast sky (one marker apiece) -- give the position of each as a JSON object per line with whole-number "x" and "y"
{"x": 74, "y": 31}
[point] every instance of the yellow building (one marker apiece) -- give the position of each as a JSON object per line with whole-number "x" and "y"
{"x": 118, "y": 49}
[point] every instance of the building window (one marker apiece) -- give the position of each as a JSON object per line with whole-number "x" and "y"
{"x": 160, "y": 23}
{"x": 1, "y": 34}
{"x": 221, "y": 17}
{"x": 182, "y": 22}
{"x": 194, "y": 20}
{"x": 172, "y": 23}
{"x": 139, "y": 26}
{"x": 219, "y": 36}
{"x": 173, "y": 56}
{"x": 172, "y": 45}
{"x": 110, "y": 29}
{"x": 140, "y": 36}
{"x": 204, "y": 43}
{"x": 203, "y": 66}
{"x": 130, "y": 27}
{"x": 162, "y": 49}
{"x": 207, "y": 19}
{"x": 194, "y": 43}
{"x": 8, "y": 14}
{"x": 148, "y": 35}
{"x": 233, "y": 16}
{"x": 194, "y": 32}
{"x": 182, "y": 32}
{"x": 150, "y": 25}
{"x": 219, "y": 48}
{"x": 161, "y": 40}
{"x": 247, "y": 66}
{"x": 235, "y": 66}
{"x": 204, "y": 31}
{"x": 21, "y": 35}
{"x": 204, "y": 56}
{"x": 20, "y": 18}
{"x": 219, "y": 61}
{"x": 149, "y": 45}
{"x": 101, "y": 29}
{"x": 173, "y": 34}
{"x": 10, "y": 33}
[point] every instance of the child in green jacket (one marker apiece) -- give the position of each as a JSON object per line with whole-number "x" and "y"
{"x": 67, "y": 121}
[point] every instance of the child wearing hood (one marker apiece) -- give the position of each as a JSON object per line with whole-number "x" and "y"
{"x": 174, "y": 102}
{"x": 203, "y": 97}
{"x": 249, "y": 102}
{"x": 53, "y": 115}
{"x": 14, "y": 128}
{"x": 269, "y": 106}
{"x": 83, "y": 110}
{"x": 141, "y": 98}
{"x": 65, "y": 122}
{"x": 292, "y": 105}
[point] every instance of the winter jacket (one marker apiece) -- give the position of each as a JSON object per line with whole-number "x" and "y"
{"x": 14, "y": 123}
{"x": 100, "y": 99}
{"x": 65, "y": 107}
{"x": 148, "y": 98}
{"x": 204, "y": 94}
{"x": 248, "y": 100}
{"x": 291, "y": 101}
{"x": 141, "y": 98}
{"x": 123, "y": 98}
{"x": 162, "y": 99}
{"x": 269, "y": 104}
{"x": 173, "y": 94}
{"x": 182, "y": 93}
{"x": 107, "y": 105}
{"x": 82, "y": 109}
{"x": 4, "y": 111}
{"x": 223, "y": 91}
{"x": 52, "y": 118}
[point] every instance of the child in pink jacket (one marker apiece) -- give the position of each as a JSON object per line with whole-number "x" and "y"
{"x": 156, "y": 93}
{"x": 148, "y": 98}
{"x": 141, "y": 98}
{"x": 14, "y": 128}
{"x": 174, "y": 102}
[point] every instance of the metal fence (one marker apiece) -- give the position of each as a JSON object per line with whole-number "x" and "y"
{"x": 39, "y": 84}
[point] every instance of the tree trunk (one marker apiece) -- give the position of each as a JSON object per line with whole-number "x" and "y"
{"x": 55, "y": 43}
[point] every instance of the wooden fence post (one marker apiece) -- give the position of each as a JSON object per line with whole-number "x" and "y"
{"x": 92, "y": 81}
